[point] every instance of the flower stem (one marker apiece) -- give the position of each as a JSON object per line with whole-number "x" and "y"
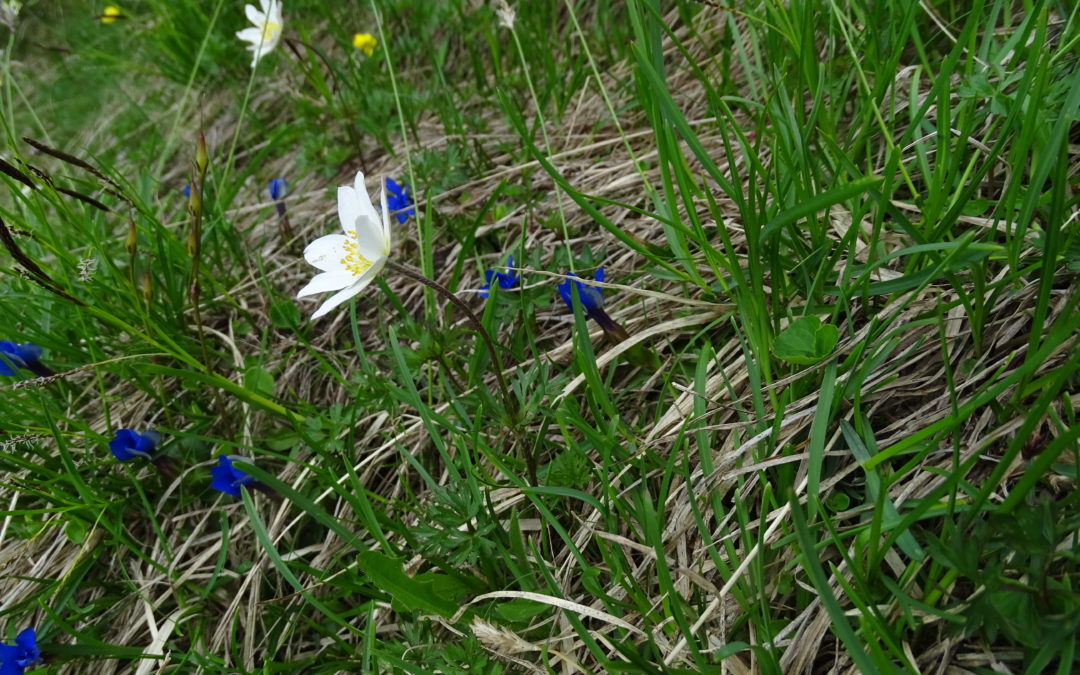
{"x": 415, "y": 275}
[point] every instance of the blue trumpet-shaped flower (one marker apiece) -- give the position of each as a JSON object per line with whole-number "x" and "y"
{"x": 186, "y": 190}
{"x": 399, "y": 200}
{"x": 506, "y": 280}
{"x": 593, "y": 303}
{"x": 228, "y": 477}
{"x": 278, "y": 188}
{"x": 14, "y": 356}
{"x": 591, "y": 299}
{"x": 14, "y": 659}
{"x": 128, "y": 445}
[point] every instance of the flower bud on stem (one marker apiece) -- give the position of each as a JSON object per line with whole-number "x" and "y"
{"x": 612, "y": 330}
{"x": 147, "y": 288}
{"x": 202, "y": 158}
{"x": 132, "y": 240}
{"x": 194, "y": 240}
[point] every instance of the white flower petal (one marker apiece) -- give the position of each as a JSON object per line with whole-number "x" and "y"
{"x": 275, "y": 13}
{"x": 362, "y": 198}
{"x": 327, "y": 281}
{"x": 336, "y": 299}
{"x": 341, "y": 296}
{"x": 251, "y": 35}
{"x": 348, "y": 208}
{"x": 326, "y": 252}
{"x": 370, "y": 239}
{"x": 360, "y": 219}
{"x": 255, "y": 16}
{"x": 266, "y": 48}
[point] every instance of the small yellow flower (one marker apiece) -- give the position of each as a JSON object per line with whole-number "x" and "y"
{"x": 110, "y": 14}
{"x": 365, "y": 42}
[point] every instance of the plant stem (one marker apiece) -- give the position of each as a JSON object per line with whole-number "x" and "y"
{"x": 415, "y": 275}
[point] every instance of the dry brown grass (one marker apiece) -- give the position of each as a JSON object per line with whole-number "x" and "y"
{"x": 910, "y": 392}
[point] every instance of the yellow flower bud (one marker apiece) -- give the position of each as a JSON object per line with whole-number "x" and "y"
{"x": 365, "y": 42}
{"x": 110, "y": 14}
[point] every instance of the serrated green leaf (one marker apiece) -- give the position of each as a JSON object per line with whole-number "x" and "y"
{"x": 415, "y": 594}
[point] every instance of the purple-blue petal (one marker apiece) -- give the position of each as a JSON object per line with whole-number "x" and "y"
{"x": 399, "y": 200}
{"x": 14, "y": 659}
{"x": 278, "y": 188}
{"x": 129, "y": 444}
{"x": 507, "y": 280}
{"x": 591, "y": 298}
{"x": 227, "y": 477}
{"x": 14, "y": 355}
{"x": 27, "y": 641}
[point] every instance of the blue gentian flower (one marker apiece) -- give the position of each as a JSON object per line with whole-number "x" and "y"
{"x": 399, "y": 200}
{"x": 13, "y": 356}
{"x": 186, "y": 190}
{"x": 591, "y": 299}
{"x": 506, "y": 280}
{"x": 128, "y": 445}
{"x": 228, "y": 477}
{"x": 14, "y": 659}
{"x": 593, "y": 304}
{"x": 278, "y": 188}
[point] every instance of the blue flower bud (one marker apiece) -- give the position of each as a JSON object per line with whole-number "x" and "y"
{"x": 278, "y": 188}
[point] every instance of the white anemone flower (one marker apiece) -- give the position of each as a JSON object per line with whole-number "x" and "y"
{"x": 350, "y": 261}
{"x": 266, "y": 33}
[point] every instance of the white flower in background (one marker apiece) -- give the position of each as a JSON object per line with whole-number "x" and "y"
{"x": 350, "y": 261}
{"x": 9, "y": 12}
{"x": 505, "y": 13}
{"x": 266, "y": 33}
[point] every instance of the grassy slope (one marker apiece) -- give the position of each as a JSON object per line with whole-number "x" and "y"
{"x": 899, "y": 171}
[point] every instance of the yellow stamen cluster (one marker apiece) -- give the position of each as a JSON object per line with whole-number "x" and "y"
{"x": 270, "y": 31}
{"x": 353, "y": 262}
